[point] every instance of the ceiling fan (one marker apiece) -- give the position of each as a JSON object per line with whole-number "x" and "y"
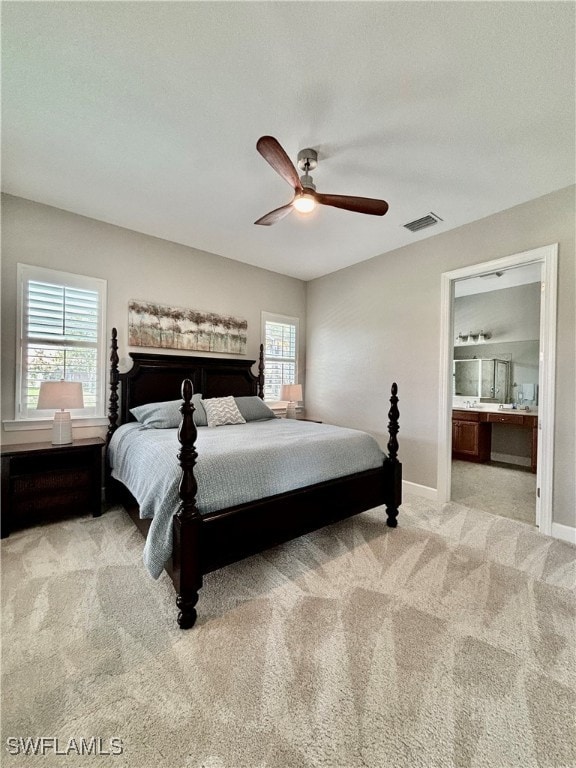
{"x": 305, "y": 196}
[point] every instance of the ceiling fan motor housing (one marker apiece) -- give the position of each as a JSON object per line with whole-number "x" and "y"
{"x": 307, "y": 183}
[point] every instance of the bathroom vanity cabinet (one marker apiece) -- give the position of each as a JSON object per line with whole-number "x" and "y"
{"x": 472, "y": 433}
{"x": 471, "y": 436}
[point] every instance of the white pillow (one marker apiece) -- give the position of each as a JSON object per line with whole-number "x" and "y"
{"x": 221, "y": 411}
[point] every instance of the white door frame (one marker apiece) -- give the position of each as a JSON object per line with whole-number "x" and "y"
{"x": 547, "y": 256}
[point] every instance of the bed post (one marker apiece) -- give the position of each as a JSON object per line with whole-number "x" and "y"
{"x": 187, "y": 572}
{"x": 111, "y": 487}
{"x": 391, "y": 464}
{"x": 114, "y": 379}
{"x": 261, "y": 373}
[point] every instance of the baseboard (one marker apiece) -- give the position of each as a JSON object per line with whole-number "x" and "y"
{"x": 559, "y": 531}
{"x": 506, "y": 458}
{"x": 564, "y": 532}
{"x": 420, "y": 490}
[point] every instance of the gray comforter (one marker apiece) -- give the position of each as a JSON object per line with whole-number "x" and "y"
{"x": 236, "y": 464}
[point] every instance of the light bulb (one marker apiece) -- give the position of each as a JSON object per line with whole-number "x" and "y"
{"x": 304, "y": 203}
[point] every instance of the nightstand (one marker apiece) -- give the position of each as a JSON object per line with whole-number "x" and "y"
{"x": 43, "y": 481}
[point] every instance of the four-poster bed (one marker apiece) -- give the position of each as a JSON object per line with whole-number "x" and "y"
{"x": 205, "y": 541}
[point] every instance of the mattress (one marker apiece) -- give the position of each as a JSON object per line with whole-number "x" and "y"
{"x": 236, "y": 464}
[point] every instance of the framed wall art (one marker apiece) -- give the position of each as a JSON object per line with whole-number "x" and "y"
{"x": 164, "y": 327}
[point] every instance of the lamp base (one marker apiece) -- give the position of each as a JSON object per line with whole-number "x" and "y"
{"x": 62, "y": 428}
{"x": 291, "y": 410}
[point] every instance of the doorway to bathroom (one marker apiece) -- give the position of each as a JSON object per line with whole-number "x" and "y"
{"x": 496, "y": 412}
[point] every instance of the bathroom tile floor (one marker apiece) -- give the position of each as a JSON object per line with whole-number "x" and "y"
{"x": 498, "y": 488}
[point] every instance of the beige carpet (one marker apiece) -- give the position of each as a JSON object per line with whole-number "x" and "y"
{"x": 496, "y": 488}
{"x": 446, "y": 642}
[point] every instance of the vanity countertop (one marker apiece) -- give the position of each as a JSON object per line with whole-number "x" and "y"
{"x": 494, "y": 408}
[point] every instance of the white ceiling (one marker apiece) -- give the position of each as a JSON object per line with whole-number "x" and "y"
{"x": 496, "y": 281}
{"x": 146, "y": 115}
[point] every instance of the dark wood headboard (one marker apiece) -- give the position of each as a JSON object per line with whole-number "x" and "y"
{"x": 155, "y": 377}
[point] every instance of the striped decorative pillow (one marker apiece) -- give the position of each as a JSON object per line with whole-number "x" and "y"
{"x": 221, "y": 411}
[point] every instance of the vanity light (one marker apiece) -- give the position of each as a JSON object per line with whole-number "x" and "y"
{"x": 478, "y": 337}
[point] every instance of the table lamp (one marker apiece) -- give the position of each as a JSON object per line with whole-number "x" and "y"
{"x": 63, "y": 395}
{"x": 293, "y": 394}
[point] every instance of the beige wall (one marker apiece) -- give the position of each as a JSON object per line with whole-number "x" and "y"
{"x": 136, "y": 266}
{"x": 366, "y": 326}
{"x": 379, "y": 321}
{"x": 510, "y": 314}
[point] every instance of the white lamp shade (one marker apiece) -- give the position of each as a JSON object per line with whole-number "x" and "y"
{"x": 291, "y": 392}
{"x": 60, "y": 394}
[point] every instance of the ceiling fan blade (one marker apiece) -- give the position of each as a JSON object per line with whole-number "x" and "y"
{"x": 275, "y": 215}
{"x": 273, "y": 153}
{"x": 356, "y": 204}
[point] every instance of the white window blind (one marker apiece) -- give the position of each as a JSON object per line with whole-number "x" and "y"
{"x": 61, "y": 337}
{"x": 280, "y": 338}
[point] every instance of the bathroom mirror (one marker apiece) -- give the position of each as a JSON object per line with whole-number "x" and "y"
{"x": 487, "y": 380}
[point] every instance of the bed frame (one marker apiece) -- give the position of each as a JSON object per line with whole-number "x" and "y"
{"x": 204, "y": 543}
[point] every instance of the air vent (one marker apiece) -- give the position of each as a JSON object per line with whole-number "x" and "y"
{"x": 425, "y": 221}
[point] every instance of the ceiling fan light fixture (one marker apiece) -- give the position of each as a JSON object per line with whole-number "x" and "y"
{"x": 304, "y": 203}
{"x": 305, "y": 197}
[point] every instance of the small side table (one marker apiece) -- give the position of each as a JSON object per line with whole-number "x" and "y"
{"x": 44, "y": 481}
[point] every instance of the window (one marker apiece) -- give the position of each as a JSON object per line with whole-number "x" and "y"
{"x": 280, "y": 339}
{"x": 60, "y": 336}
